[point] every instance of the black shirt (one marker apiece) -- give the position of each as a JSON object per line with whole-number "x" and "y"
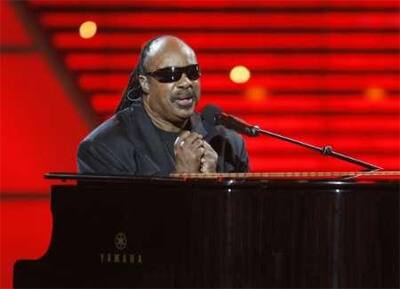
{"x": 168, "y": 139}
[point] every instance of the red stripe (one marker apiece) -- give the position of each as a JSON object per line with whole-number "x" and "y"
{"x": 239, "y": 20}
{"x": 359, "y": 104}
{"x": 317, "y": 163}
{"x": 224, "y": 40}
{"x": 217, "y": 4}
{"x": 289, "y": 124}
{"x": 348, "y": 144}
{"x": 119, "y": 81}
{"x": 235, "y": 104}
{"x": 252, "y": 61}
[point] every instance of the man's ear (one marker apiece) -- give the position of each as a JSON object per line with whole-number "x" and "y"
{"x": 144, "y": 83}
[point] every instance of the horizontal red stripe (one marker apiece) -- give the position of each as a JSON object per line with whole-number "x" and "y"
{"x": 234, "y": 104}
{"x": 317, "y": 163}
{"x": 119, "y": 81}
{"x": 216, "y": 4}
{"x": 252, "y": 61}
{"x": 293, "y": 124}
{"x": 140, "y": 20}
{"x": 234, "y": 40}
{"x": 358, "y": 104}
{"x": 104, "y": 103}
{"x": 378, "y": 145}
{"x": 312, "y": 126}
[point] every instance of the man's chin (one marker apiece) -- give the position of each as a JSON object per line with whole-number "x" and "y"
{"x": 184, "y": 112}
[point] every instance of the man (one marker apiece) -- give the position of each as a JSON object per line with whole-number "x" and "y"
{"x": 156, "y": 130}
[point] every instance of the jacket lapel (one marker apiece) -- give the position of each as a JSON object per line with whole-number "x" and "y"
{"x": 149, "y": 142}
{"x": 197, "y": 126}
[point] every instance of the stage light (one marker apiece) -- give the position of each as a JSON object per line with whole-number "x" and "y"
{"x": 375, "y": 93}
{"x": 239, "y": 74}
{"x": 87, "y": 29}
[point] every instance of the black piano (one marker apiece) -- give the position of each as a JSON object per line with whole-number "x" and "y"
{"x": 267, "y": 230}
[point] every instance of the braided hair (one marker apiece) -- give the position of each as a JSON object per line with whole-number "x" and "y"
{"x": 134, "y": 89}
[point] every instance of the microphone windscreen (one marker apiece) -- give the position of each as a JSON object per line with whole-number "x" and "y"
{"x": 209, "y": 114}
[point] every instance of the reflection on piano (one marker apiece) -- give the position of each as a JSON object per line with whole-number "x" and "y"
{"x": 275, "y": 230}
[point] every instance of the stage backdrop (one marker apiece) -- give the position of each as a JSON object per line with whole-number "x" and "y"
{"x": 324, "y": 72}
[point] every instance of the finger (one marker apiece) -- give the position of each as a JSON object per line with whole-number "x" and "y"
{"x": 178, "y": 143}
{"x": 196, "y": 145}
{"x": 183, "y": 136}
{"x": 205, "y": 168}
{"x": 209, "y": 152}
{"x": 208, "y": 165}
{"x": 198, "y": 153}
{"x": 207, "y": 155}
{"x": 181, "y": 139}
{"x": 208, "y": 147}
{"x": 193, "y": 142}
{"x": 193, "y": 137}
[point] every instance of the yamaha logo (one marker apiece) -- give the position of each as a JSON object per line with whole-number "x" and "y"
{"x": 120, "y": 241}
{"x": 119, "y": 257}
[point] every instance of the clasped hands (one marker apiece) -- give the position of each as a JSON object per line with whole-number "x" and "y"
{"x": 193, "y": 154}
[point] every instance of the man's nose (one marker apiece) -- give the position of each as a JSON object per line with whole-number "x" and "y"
{"x": 185, "y": 82}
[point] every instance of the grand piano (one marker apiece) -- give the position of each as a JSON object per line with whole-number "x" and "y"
{"x": 267, "y": 230}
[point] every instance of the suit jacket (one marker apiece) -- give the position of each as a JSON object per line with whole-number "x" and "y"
{"x": 129, "y": 144}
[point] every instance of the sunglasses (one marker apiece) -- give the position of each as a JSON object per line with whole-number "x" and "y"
{"x": 173, "y": 74}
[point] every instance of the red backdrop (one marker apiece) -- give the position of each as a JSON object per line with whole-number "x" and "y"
{"x": 325, "y": 72}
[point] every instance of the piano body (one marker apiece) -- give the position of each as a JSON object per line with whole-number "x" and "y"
{"x": 277, "y": 230}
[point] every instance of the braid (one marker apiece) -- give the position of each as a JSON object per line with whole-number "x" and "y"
{"x": 134, "y": 89}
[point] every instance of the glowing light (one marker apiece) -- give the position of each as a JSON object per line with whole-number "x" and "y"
{"x": 87, "y": 29}
{"x": 256, "y": 93}
{"x": 375, "y": 93}
{"x": 239, "y": 74}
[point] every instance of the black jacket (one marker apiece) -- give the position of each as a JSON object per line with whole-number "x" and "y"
{"x": 129, "y": 144}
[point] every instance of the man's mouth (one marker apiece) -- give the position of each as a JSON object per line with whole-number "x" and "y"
{"x": 185, "y": 100}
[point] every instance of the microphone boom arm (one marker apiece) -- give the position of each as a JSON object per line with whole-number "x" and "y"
{"x": 326, "y": 150}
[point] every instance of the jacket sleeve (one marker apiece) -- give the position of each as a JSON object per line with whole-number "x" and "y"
{"x": 96, "y": 158}
{"x": 232, "y": 152}
{"x": 243, "y": 163}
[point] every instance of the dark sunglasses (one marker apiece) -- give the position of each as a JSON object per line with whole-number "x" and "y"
{"x": 172, "y": 73}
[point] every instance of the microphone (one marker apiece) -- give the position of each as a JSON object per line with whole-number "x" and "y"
{"x": 213, "y": 115}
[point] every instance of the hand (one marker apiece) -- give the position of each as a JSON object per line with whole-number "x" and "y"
{"x": 188, "y": 149}
{"x": 209, "y": 159}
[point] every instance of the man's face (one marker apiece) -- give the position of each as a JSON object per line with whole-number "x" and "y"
{"x": 173, "y": 102}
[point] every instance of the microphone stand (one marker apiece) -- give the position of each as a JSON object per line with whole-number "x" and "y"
{"x": 326, "y": 150}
